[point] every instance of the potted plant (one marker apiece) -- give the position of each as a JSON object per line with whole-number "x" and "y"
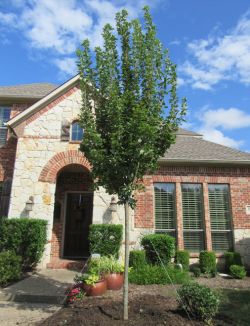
{"x": 92, "y": 284}
{"x": 114, "y": 271}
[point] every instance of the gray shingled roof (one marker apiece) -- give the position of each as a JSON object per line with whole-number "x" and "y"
{"x": 182, "y": 131}
{"x": 36, "y": 90}
{"x": 189, "y": 148}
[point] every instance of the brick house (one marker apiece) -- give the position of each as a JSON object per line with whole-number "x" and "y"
{"x": 200, "y": 194}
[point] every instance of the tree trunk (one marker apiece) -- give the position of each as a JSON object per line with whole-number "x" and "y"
{"x": 126, "y": 262}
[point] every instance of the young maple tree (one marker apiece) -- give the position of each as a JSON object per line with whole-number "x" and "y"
{"x": 130, "y": 111}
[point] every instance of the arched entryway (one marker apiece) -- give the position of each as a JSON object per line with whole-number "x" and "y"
{"x": 72, "y": 213}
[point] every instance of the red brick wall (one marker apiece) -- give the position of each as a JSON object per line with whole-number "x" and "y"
{"x": 8, "y": 151}
{"x": 237, "y": 178}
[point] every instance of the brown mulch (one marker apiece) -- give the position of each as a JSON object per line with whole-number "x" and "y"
{"x": 148, "y": 305}
{"x": 225, "y": 282}
{"x": 143, "y": 310}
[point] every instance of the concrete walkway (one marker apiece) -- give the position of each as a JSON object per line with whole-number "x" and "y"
{"x": 47, "y": 286}
{"x": 34, "y": 298}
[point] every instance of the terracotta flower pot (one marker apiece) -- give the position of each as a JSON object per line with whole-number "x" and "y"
{"x": 114, "y": 281}
{"x": 97, "y": 289}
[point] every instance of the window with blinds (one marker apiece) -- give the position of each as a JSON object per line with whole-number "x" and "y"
{"x": 4, "y": 117}
{"x": 220, "y": 217}
{"x": 193, "y": 217}
{"x": 165, "y": 213}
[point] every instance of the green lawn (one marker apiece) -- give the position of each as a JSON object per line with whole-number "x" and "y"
{"x": 235, "y": 306}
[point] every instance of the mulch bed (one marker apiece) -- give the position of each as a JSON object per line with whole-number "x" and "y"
{"x": 148, "y": 305}
{"x": 143, "y": 310}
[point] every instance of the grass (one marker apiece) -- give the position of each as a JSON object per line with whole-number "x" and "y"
{"x": 235, "y": 306}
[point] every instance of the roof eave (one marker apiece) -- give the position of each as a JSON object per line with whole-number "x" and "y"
{"x": 217, "y": 162}
{"x": 42, "y": 102}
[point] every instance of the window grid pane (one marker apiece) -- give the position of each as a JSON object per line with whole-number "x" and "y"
{"x": 220, "y": 217}
{"x": 4, "y": 117}
{"x": 165, "y": 208}
{"x": 77, "y": 132}
{"x": 192, "y": 207}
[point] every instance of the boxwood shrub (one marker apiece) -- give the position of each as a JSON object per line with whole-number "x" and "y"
{"x": 159, "y": 248}
{"x": 207, "y": 261}
{"x": 156, "y": 274}
{"x": 237, "y": 271}
{"x": 232, "y": 258}
{"x": 26, "y": 237}
{"x": 200, "y": 301}
{"x": 182, "y": 257}
{"x": 137, "y": 258}
{"x": 10, "y": 267}
{"x": 105, "y": 239}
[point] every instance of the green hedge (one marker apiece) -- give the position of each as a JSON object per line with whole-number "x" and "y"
{"x": 105, "y": 239}
{"x": 137, "y": 258}
{"x": 232, "y": 258}
{"x": 182, "y": 257}
{"x": 25, "y": 237}
{"x": 207, "y": 261}
{"x": 160, "y": 248}
{"x": 155, "y": 274}
{"x": 10, "y": 267}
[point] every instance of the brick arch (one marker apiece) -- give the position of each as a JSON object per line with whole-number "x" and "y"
{"x": 59, "y": 161}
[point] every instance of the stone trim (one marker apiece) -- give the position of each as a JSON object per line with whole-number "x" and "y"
{"x": 60, "y": 160}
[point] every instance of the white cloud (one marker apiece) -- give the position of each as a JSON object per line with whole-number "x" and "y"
{"x": 217, "y": 136}
{"x": 228, "y": 119}
{"x": 60, "y": 26}
{"x": 214, "y": 123}
{"x": 66, "y": 65}
{"x": 220, "y": 58}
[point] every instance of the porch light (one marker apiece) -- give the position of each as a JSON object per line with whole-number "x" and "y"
{"x": 113, "y": 205}
{"x": 29, "y": 204}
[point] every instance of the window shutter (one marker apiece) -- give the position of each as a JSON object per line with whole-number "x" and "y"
{"x": 220, "y": 217}
{"x": 192, "y": 207}
{"x": 165, "y": 215}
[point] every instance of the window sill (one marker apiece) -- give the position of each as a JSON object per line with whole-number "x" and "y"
{"x": 74, "y": 142}
{"x": 196, "y": 255}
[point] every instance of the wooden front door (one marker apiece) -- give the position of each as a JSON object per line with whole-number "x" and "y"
{"x": 79, "y": 209}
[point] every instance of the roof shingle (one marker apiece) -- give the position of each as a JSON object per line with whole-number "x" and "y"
{"x": 36, "y": 90}
{"x": 197, "y": 149}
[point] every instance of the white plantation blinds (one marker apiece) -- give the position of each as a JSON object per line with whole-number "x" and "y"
{"x": 165, "y": 215}
{"x": 192, "y": 208}
{"x": 220, "y": 217}
{"x": 4, "y": 117}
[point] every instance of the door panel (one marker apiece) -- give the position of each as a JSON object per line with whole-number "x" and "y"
{"x": 78, "y": 218}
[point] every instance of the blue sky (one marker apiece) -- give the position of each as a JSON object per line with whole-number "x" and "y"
{"x": 209, "y": 40}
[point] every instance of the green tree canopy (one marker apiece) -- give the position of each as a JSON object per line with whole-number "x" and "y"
{"x": 130, "y": 110}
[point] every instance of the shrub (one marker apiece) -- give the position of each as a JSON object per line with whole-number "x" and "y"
{"x": 182, "y": 257}
{"x": 24, "y": 236}
{"x": 154, "y": 274}
{"x": 10, "y": 267}
{"x": 159, "y": 248}
{"x": 137, "y": 258}
{"x": 237, "y": 271}
{"x": 196, "y": 271}
{"x": 105, "y": 239}
{"x": 207, "y": 261}
{"x": 232, "y": 258}
{"x": 200, "y": 301}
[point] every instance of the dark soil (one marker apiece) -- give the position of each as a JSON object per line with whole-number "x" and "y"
{"x": 143, "y": 310}
{"x": 148, "y": 305}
